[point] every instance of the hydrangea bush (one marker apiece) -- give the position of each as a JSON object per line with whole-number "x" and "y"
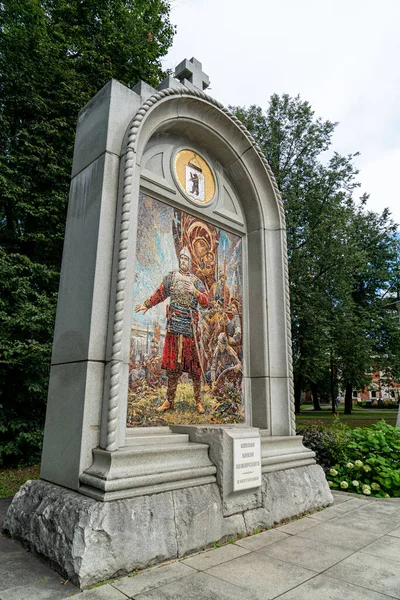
{"x": 328, "y": 442}
{"x": 369, "y": 463}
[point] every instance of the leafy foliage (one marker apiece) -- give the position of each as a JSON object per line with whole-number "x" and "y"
{"x": 54, "y": 56}
{"x": 365, "y": 460}
{"x": 12, "y": 479}
{"x": 372, "y": 464}
{"x": 343, "y": 259}
{"x": 328, "y": 442}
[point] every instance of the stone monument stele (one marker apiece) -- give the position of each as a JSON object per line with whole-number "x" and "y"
{"x": 166, "y": 434}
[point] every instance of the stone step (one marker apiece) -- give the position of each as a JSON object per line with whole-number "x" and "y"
{"x": 156, "y": 440}
{"x": 142, "y": 469}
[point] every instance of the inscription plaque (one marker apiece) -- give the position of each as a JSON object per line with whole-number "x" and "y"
{"x": 246, "y": 463}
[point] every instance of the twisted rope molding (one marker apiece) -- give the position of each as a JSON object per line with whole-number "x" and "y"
{"x": 112, "y": 418}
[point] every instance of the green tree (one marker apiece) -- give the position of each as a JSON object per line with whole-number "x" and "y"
{"x": 366, "y": 334}
{"x": 331, "y": 257}
{"x": 54, "y": 56}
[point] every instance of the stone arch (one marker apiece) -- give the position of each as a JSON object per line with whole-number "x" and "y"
{"x": 198, "y": 116}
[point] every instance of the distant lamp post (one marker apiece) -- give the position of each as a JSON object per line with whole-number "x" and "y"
{"x": 392, "y": 306}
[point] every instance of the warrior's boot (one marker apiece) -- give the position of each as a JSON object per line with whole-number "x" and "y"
{"x": 167, "y": 405}
{"x": 197, "y": 397}
{"x": 172, "y": 385}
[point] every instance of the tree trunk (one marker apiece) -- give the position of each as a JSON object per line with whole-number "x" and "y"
{"x": 297, "y": 393}
{"x": 314, "y": 390}
{"x": 348, "y": 402}
{"x": 332, "y": 378}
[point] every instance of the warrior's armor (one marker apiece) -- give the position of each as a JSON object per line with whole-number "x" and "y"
{"x": 181, "y": 349}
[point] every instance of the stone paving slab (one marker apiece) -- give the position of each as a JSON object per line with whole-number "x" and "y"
{"x": 200, "y": 586}
{"x": 386, "y": 547}
{"x": 295, "y": 527}
{"x": 18, "y": 570}
{"x": 371, "y": 572}
{"x": 8, "y": 547}
{"x": 23, "y": 576}
{"x": 325, "y": 588}
{"x": 310, "y": 554}
{"x": 152, "y": 578}
{"x": 329, "y": 513}
{"x": 366, "y": 521}
{"x": 103, "y": 592}
{"x": 266, "y": 577}
{"x": 346, "y": 537}
{"x": 352, "y": 503}
{"x": 357, "y": 541}
{"x": 382, "y": 508}
{"x": 339, "y": 497}
{"x": 254, "y": 542}
{"x": 214, "y": 557}
{"x": 46, "y": 589}
{"x": 395, "y": 532}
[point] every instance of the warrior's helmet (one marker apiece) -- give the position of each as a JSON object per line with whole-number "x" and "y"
{"x": 185, "y": 252}
{"x": 222, "y": 341}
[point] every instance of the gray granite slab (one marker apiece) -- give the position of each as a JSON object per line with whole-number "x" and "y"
{"x": 325, "y": 588}
{"x": 152, "y": 578}
{"x": 386, "y": 547}
{"x": 298, "y": 526}
{"x": 309, "y": 554}
{"x": 8, "y": 547}
{"x": 352, "y": 503}
{"x": 44, "y": 590}
{"x": 383, "y": 508}
{"x": 327, "y": 514}
{"x": 266, "y": 577}
{"x": 103, "y": 592}
{"x": 24, "y": 569}
{"x": 369, "y": 521}
{"x": 395, "y": 532}
{"x": 371, "y": 572}
{"x": 254, "y": 542}
{"x": 334, "y": 532}
{"x": 214, "y": 557}
{"x": 340, "y": 497}
{"x": 199, "y": 586}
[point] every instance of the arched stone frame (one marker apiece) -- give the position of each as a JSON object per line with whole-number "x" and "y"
{"x": 269, "y": 346}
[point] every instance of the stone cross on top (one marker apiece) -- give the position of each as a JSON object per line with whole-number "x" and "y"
{"x": 190, "y": 74}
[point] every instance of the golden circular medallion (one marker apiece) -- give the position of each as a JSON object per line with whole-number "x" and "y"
{"x": 194, "y": 177}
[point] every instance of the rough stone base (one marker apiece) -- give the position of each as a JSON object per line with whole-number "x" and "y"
{"x": 88, "y": 541}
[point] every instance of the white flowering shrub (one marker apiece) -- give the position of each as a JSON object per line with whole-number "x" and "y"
{"x": 372, "y": 459}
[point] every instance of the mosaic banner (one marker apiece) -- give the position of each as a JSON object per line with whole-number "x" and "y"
{"x": 186, "y": 358}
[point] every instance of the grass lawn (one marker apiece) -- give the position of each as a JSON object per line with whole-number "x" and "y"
{"x": 12, "y": 479}
{"x": 360, "y": 417}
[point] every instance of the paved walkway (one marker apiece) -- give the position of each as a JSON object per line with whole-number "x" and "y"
{"x": 349, "y": 551}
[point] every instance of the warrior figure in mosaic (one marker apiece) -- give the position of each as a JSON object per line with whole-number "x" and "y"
{"x": 181, "y": 348}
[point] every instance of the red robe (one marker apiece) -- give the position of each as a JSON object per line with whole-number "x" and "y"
{"x": 180, "y": 352}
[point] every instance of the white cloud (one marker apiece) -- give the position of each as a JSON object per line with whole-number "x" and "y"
{"x": 340, "y": 55}
{"x": 379, "y": 180}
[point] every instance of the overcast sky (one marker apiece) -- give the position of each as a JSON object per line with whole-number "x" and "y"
{"x": 342, "y": 56}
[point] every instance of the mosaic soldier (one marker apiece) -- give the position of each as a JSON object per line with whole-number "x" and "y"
{"x": 181, "y": 350}
{"x": 234, "y": 325}
{"x": 153, "y": 366}
{"x": 225, "y": 360}
{"x": 219, "y": 290}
